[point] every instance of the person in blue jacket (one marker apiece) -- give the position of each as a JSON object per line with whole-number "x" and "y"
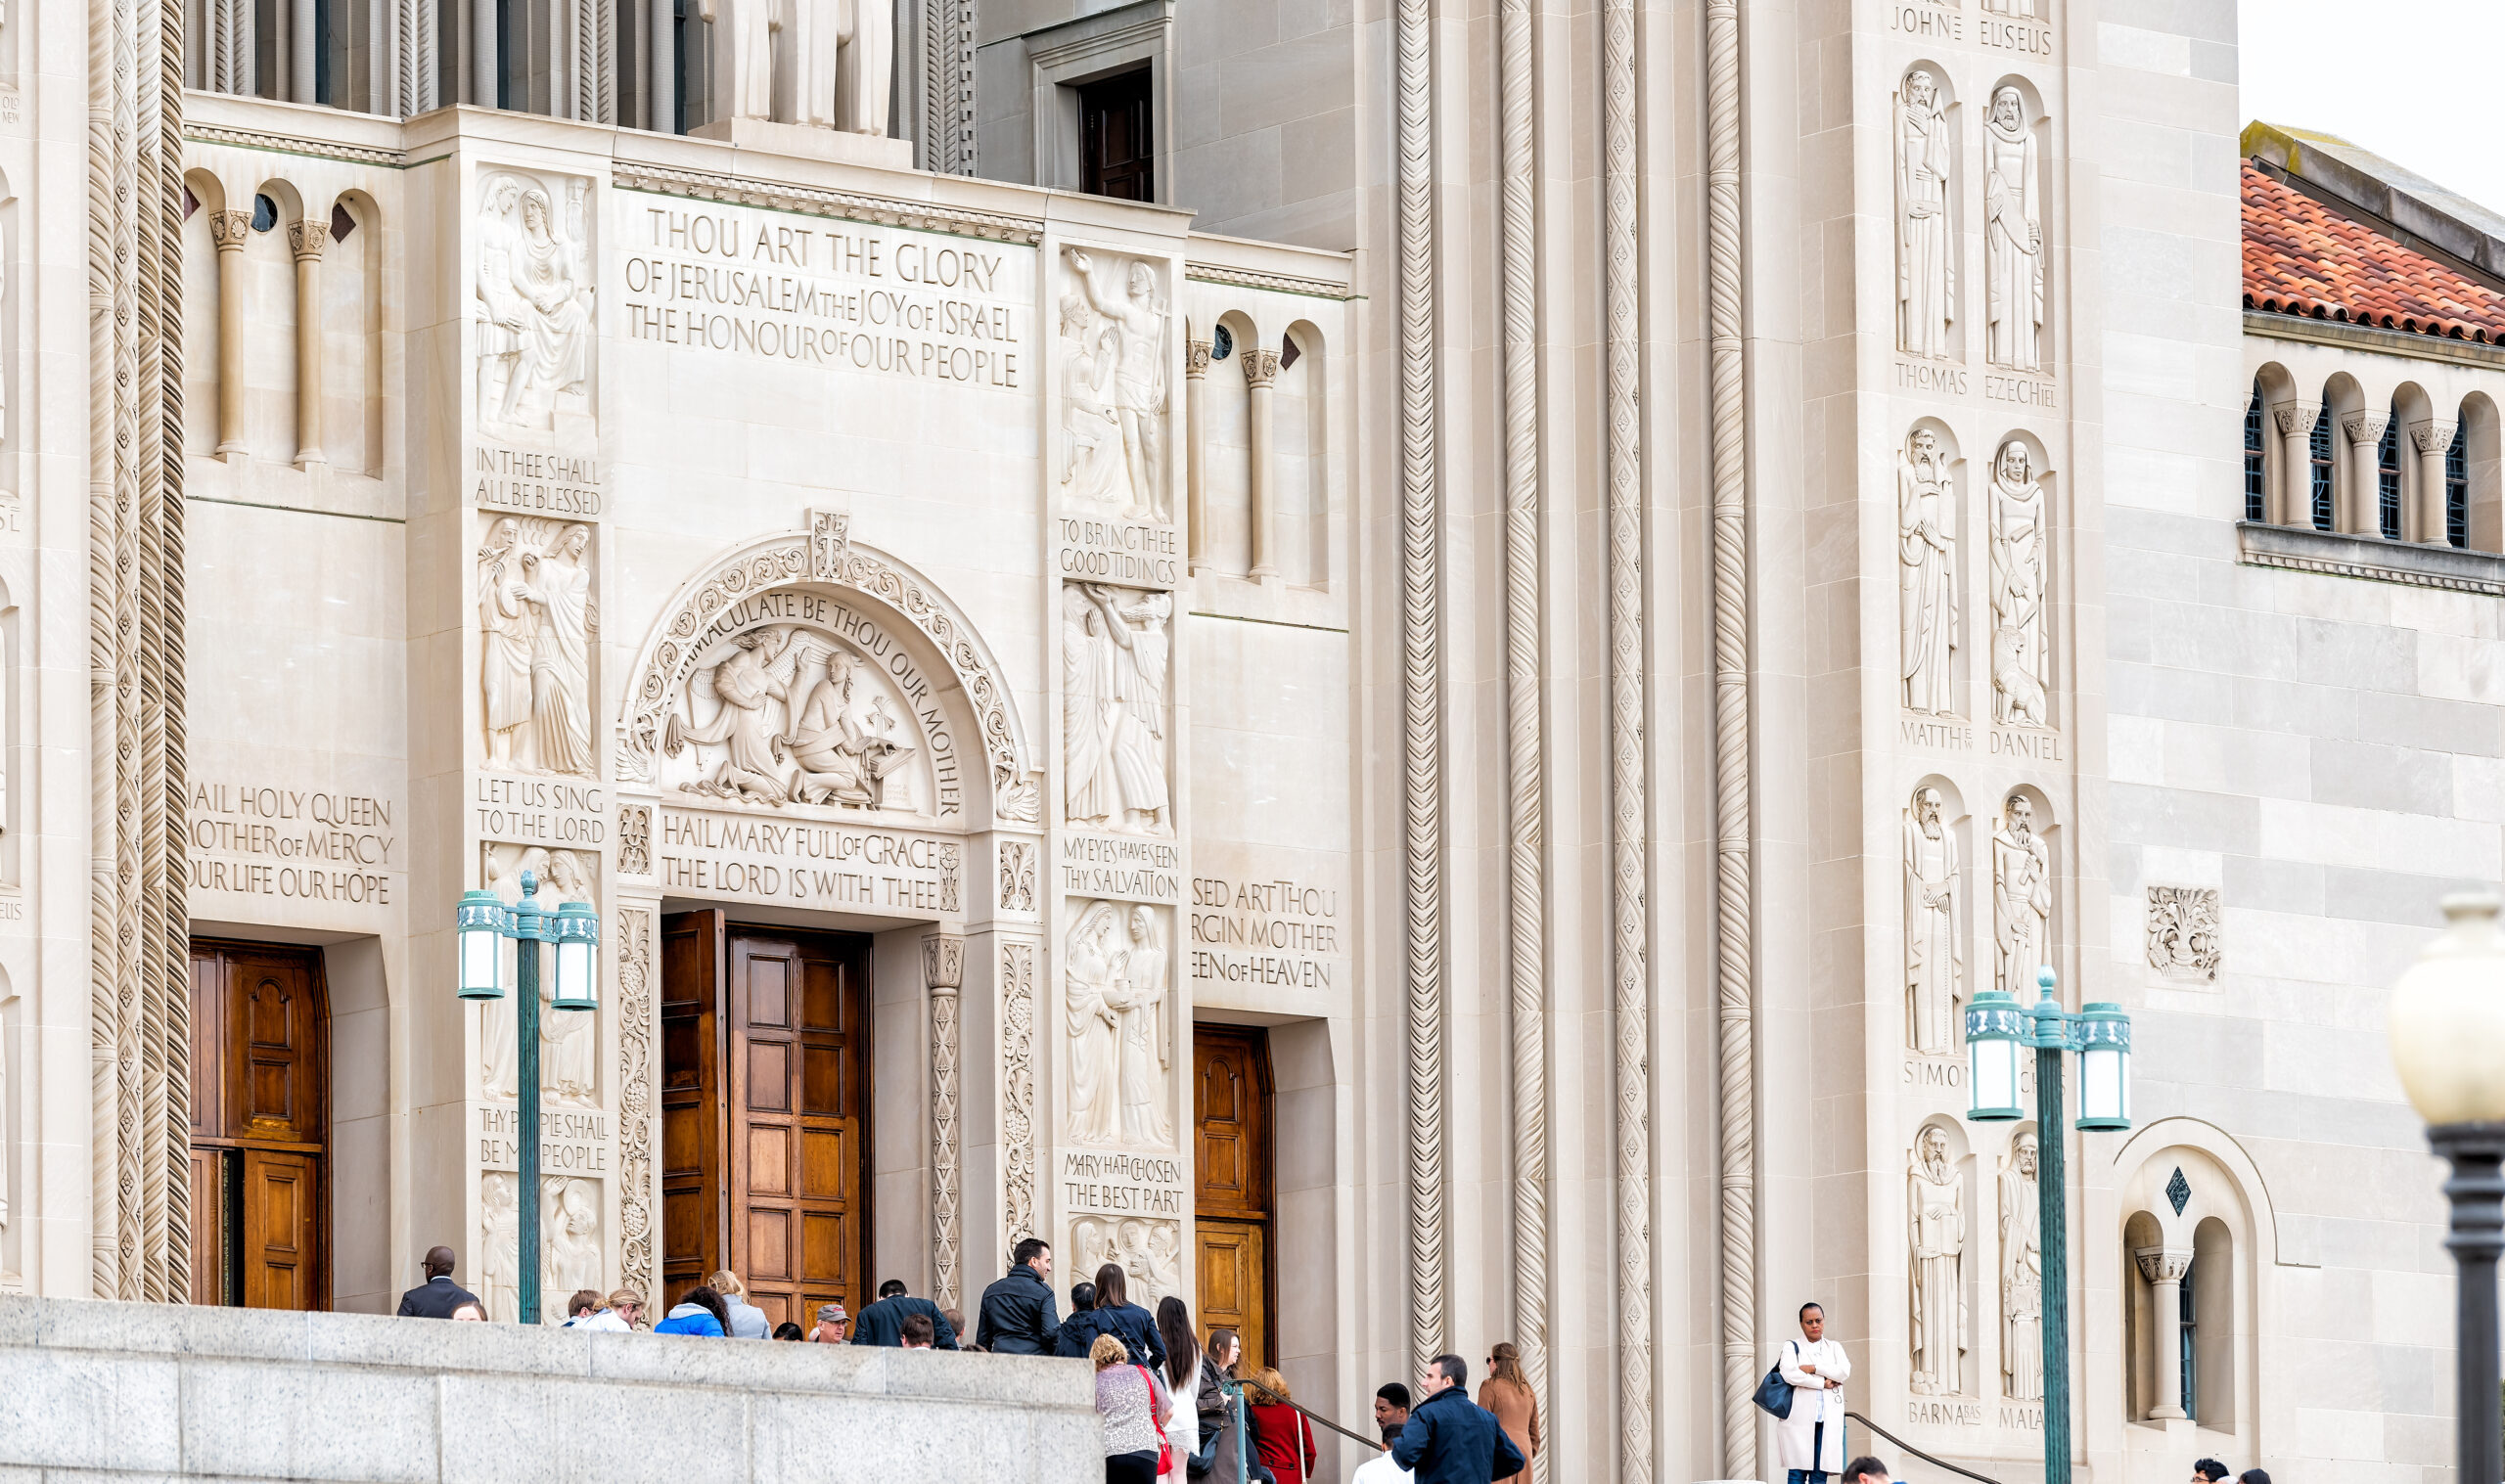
{"x": 1114, "y": 1315}
{"x": 1450, "y": 1439}
{"x": 699, "y": 1311}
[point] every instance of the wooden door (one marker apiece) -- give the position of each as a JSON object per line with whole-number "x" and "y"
{"x": 694, "y": 1111}
{"x": 1118, "y": 138}
{"x": 799, "y": 1008}
{"x": 261, "y": 1126}
{"x": 1232, "y": 1190}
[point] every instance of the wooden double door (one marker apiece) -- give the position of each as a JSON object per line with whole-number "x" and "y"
{"x": 261, "y": 1126}
{"x": 765, "y": 1112}
{"x": 1234, "y": 1192}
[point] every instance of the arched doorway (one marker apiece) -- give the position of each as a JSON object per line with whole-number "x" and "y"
{"x": 261, "y": 1126}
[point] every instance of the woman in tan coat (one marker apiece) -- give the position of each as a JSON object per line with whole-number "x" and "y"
{"x": 1507, "y": 1393}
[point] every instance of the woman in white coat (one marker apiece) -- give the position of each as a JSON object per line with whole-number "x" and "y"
{"x": 1812, "y": 1437}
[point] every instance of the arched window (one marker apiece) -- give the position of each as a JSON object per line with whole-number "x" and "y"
{"x": 2388, "y": 479}
{"x": 2188, "y": 1353}
{"x": 2318, "y": 453}
{"x": 2256, "y": 490}
{"x": 2457, "y": 487}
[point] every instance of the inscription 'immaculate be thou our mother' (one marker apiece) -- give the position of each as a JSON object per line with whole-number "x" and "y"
{"x": 902, "y": 303}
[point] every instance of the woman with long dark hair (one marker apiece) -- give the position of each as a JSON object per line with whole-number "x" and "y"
{"x": 1116, "y": 1314}
{"x": 1228, "y": 1450}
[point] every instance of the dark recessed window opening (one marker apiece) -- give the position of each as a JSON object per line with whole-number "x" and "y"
{"x": 2318, "y": 452}
{"x": 1117, "y": 140}
{"x": 2457, "y": 488}
{"x": 2387, "y": 479}
{"x": 265, "y": 213}
{"x": 2256, "y": 491}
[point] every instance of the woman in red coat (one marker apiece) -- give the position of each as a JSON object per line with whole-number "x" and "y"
{"x": 1286, "y": 1437}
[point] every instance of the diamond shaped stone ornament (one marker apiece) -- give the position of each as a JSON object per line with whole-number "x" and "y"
{"x": 2178, "y": 1191}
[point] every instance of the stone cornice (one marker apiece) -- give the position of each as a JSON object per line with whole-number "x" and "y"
{"x": 2413, "y": 563}
{"x": 1276, "y": 283}
{"x": 2343, "y": 336}
{"x": 816, "y": 200}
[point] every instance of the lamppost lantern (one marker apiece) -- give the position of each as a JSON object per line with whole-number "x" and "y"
{"x": 479, "y": 923}
{"x": 1994, "y": 1030}
{"x": 2103, "y": 1041}
{"x": 576, "y": 929}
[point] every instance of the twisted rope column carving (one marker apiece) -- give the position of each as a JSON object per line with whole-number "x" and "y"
{"x": 1422, "y": 719}
{"x": 130, "y": 1014}
{"x": 636, "y": 1099}
{"x": 165, "y": 390}
{"x": 104, "y": 660}
{"x": 1018, "y": 1087}
{"x": 943, "y": 970}
{"x": 1735, "y": 911}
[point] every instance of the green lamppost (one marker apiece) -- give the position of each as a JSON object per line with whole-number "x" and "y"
{"x": 2100, "y": 1034}
{"x": 482, "y": 925}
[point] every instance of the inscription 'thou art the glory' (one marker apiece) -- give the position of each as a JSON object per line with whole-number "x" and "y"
{"x": 907, "y": 304}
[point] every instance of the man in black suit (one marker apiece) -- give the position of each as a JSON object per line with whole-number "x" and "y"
{"x": 438, "y": 1296}
{"x": 883, "y": 1323}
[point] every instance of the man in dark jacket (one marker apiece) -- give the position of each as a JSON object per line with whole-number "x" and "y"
{"x": 883, "y": 1323}
{"x": 438, "y": 1296}
{"x": 1450, "y": 1439}
{"x": 1018, "y": 1316}
{"x": 1114, "y": 1315}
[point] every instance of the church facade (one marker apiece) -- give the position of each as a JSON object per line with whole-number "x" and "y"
{"x": 1395, "y": 665}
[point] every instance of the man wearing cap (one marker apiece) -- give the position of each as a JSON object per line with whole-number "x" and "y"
{"x": 834, "y": 1326}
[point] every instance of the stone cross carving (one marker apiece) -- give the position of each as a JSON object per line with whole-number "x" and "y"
{"x": 1120, "y": 1026}
{"x": 1927, "y": 575}
{"x": 2012, "y": 237}
{"x": 2020, "y": 674}
{"x": 1936, "y": 1207}
{"x": 2022, "y": 1276}
{"x": 2021, "y": 900}
{"x": 1925, "y": 254}
{"x": 1114, "y": 728}
{"x": 1934, "y": 927}
{"x": 830, "y": 533}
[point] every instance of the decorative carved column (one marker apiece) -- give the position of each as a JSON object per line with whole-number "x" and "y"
{"x": 1195, "y": 374}
{"x": 2293, "y": 504}
{"x": 2359, "y": 514}
{"x": 2426, "y": 513}
{"x": 1260, "y": 374}
{"x": 229, "y": 229}
{"x": 2163, "y": 1268}
{"x": 943, "y": 970}
{"x": 1018, "y": 1141}
{"x": 306, "y": 239}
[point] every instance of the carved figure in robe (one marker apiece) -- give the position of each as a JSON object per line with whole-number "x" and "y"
{"x": 757, "y": 670}
{"x": 1138, "y": 744}
{"x": 2019, "y": 638}
{"x": 2012, "y": 237}
{"x": 569, "y": 1039}
{"x": 1139, "y": 374}
{"x": 1938, "y": 1209}
{"x": 1139, "y": 997}
{"x": 743, "y": 43}
{"x": 1151, "y": 1275}
{"x": 508, "y": 624}
{"x": 1093, "y": 989}
{"x": 499, "y": 1065}
{"x": 500, "y": 1247}
{"x": 555, "y": 320}
{"x": 1926, "y": 258}
{"x": 561, "y": 655}
{"x": 1927, "y": 575}
{"x": 499, "y": 310}
{"x": 1934, "y": 927}
{"x": 865, "y": 70}
{"x": 1089, "y": 792}
{"x": 2021, "y": 899}
{"x": 846, "y": 749}
{"x": 2022, "y": 1276}
{"x": 1091, "y": 437}
{"x": 571, "y": 1257}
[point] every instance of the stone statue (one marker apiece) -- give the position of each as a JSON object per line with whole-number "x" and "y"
{"x": 843, "y": 739}
{"x": 1133, "y": 310}
{"x": 2022, "y": 1276}
{"x": 1938, "y": 1210}
{"x": 569, "y": 1256}
{"x": 1092, "y": 466}
{"x": 838, "y": 55}
{"x": 535, "y": 306}
{"x": 1114, "y": 666}
{"x": 757, "y": 670}
{"x": 1925, "y": 254}
{"x": 866, "y": 68}
{"x": 1935, "y": 928}
{"x": 2012, "y": 237}
{"x": 508, "y": 627}
{"x": 1927, "y": 575}
{"x": 2021, "y": 900}
{"x": 743, "y": 53}
{"x": 1147, "y": 1021}
{"x": 500, "y": 1247}
{"x": 1093, "y": 989}
{"x": 560, "y": 585}
{"x": 2019, "y": 675}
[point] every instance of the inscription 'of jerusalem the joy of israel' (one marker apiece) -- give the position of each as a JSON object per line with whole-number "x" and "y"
{"x": 903, "y": 303}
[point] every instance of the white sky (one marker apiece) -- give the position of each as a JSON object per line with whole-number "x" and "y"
{"x": 2404, "y": 78}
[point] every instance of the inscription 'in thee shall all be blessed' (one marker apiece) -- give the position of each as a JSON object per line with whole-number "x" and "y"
{"x": 902, "y": 303}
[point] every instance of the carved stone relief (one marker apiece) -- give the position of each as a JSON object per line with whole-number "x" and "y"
{"x": 532, "y": 302}
{"x": 2020, "y": 638}
{"x": 1927, "y": 575}
{"x": 636, "y": 1086}
{"x": 819, "y": 64}
{"x": 1934, "y": 927}
{"x": 1120, "y": 1024}
{"x": 1149, "y": 1250}
{"x": 2183, "y": 932}
{"x": 500, "y": 1245}
{"x": 1017, "y": 875}
{"x": 1936, "y": 1203}
{"x": 1926, "y": 249}
{"x": 1113, "y": 395}
{"x": 537, "y": 624}
{"x": 2022, "y": 1276}
{"x": 793, "y": 714}
{"x": 1017, "y": 1088}
{"x": 2012, "y": 237}
{"x": 2021, "y": 899}
{"x": 943, "y": 973}
{"x": 1113, "y": 651}
{"x": 569, "y": 1042}
{"x": 569, "y": 1246}
{"x": 634, "y": 839}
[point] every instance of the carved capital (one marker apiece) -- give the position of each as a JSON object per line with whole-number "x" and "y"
{"x": 1260, "y": 367}
{"x": 1196, "y": 358}
{"x": 943, "y": 963}
{"x": 307, "y": 239}
{"x": 2295, "y": 418}
{"x": 2365, "y": 426}
{"x": 2162, "y": 1265}
{"x": 2432, "y": 437}
{"x": 229, "y": 229}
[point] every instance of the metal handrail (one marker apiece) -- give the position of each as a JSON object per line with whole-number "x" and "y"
{"x": 1918, "y": 1453}
{"x": 1310, "y": 1415}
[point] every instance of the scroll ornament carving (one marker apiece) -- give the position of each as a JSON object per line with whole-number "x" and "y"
{"x": 536, "y": 623}
{"x": 1120, "y": 1025}
{"x": 636, "y": 1099}
{"x": 839, "y": 55}
{"x": 1113, "y": 402}
{"x": 1934, "y": 927}
{"x": 2012, "y": 237}
{"x": 2019, "y": 640}
{"x": 634, "y": 839}
{"x": 1113, "y": 733}
{"x": 1017, "y": 875}
{"x": 1927, "y": 575}
{"x": 569, "y": 1044}
{"x": 1936, "y": 1203}
{"x": 2022, "y": 1276}
{"x": 1149, "y": 1250}
{"x": 2021, "y": 900}
{"x": 532, "y": 305}
{"x": 2183, "y": 932}
{"x": 1926, "y": 251}
{"x": 1018, "y": 1087}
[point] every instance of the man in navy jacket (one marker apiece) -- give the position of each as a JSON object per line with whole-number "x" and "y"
{"x": 1450, "y": 1439}
{"x": 1016, "y": 1317}
{"x": 883, "y": 1323}
{"x": 438, "y": 1296}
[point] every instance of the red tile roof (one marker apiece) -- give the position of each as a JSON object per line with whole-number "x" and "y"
{"x": 2302, "y": 258}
